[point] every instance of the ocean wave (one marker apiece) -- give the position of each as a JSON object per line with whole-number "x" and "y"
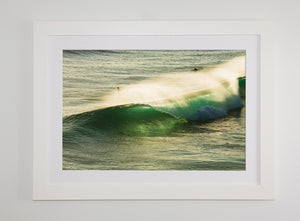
{"x": 160, "y": 106}
{"x": 147, "y": 120}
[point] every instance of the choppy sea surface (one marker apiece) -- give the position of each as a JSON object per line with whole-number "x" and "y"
{"x": 153, "y": 110}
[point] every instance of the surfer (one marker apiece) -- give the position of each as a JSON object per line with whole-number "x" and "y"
{"x": 118, "y": 89}
{"x": 195, "y": 69}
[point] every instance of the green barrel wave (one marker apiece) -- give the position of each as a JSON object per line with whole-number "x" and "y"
{"x": 149, "y": 121}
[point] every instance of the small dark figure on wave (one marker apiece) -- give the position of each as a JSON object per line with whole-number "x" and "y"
{"x": 195, "y": 69}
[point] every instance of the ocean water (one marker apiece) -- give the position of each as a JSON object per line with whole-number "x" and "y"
{"x": 153, "y": 110}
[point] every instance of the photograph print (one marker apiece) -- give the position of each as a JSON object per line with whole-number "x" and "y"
{"x": 177, "y": 110}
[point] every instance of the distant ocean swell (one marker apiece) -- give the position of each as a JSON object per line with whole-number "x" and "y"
{"x": 152, "y": 119}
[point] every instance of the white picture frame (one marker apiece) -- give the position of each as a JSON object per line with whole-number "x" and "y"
{"x": 51, "y": 183}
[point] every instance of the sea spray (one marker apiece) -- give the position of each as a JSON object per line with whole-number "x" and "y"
{"x": 182, "y": 94}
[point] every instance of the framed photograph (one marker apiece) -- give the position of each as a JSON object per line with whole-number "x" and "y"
{"x": 153, "y": 110}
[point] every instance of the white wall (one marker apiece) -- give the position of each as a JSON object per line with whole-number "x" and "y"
{"x": 16, "y": 27}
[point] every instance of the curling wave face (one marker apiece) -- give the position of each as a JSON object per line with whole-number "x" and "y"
{"x": 159, "y": 119}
